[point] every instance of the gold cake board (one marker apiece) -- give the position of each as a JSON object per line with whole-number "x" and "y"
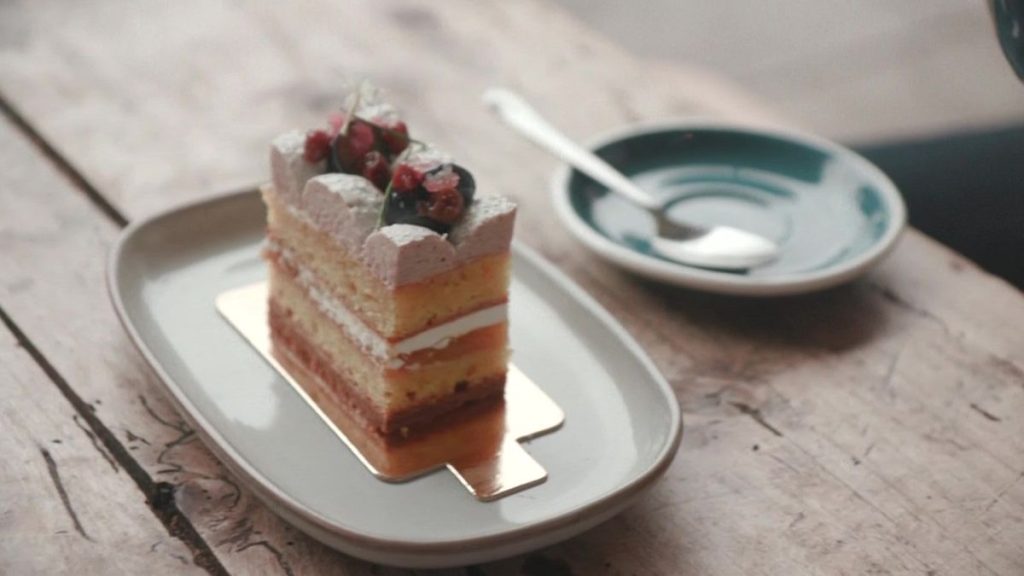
{"x": 483, "y": 451}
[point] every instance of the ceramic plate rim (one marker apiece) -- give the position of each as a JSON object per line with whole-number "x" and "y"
{"x": 295, "y": 513}
{"x": 724, "y": 282}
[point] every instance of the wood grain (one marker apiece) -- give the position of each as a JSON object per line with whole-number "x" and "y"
{"x": 65, "y": 504}
{"x": 47, "y": 224}
{"x": 878, "y": 427}
{"x": 143, "y": 112}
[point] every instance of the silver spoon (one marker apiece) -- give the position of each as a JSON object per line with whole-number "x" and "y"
{"x": 720, "y": 247}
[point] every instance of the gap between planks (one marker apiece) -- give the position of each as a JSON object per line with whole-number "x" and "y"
{"x": 63, "y": 166}
{"x": 159, "y": 495}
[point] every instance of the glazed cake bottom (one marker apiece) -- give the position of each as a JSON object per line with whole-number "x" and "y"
{"x": 392, "y": 401}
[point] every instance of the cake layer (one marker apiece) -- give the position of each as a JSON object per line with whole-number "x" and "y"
{"x": 455, "y": 370}
{"x": 334, "y": 398}
{"x": 394, "y": 313}
{"x": 437, "y": 342}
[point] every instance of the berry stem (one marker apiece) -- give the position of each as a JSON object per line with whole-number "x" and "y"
{"x": 383, "y": 207}
{"x": 351, "y": 111}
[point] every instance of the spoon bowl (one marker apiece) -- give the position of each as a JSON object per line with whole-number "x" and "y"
{"x": 717, "y": 247}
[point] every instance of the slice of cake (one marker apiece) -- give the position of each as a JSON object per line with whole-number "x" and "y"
{"x": 388, "y": 273}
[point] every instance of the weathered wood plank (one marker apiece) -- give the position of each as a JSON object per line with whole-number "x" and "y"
{"x": 65, "y": 504}
{"x": 859, "y": 386}
{"x": 47, "y": 224}
{"x": 142, "y": 110}
{"x": 876, "y": 426}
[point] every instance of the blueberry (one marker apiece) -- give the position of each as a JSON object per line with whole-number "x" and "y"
{"x": 467, "y": 184}
{"x": 406, "y": 208}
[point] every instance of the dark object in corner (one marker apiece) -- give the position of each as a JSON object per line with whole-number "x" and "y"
{"x": 965, "y": 190}
{"x": 1008, "y": 17}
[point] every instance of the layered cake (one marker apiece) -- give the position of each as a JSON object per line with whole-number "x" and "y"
{"x": 388, "y": 272}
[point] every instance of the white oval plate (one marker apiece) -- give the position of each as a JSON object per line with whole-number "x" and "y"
{"x": 621, "y": 431}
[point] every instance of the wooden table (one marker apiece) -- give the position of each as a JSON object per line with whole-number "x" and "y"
{"x": 877, "y": 428}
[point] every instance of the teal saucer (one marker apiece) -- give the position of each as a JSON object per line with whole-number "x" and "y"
{"x": 832, "y": 213}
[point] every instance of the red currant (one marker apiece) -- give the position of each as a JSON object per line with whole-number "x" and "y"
{"x": 375, "y": 169}
{"x": 351, "y": 147}
{"x": 318, "y": 144}
{"x": 396, "y": 137}
{"x": 405, "y": 179}
{"x": 443, "y": 178}
{"x": 363, "y": 137}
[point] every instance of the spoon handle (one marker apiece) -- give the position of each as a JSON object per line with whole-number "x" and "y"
{"x": 517, "y": 113}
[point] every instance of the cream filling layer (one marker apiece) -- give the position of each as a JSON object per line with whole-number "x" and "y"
{"x": 369, "y": 340}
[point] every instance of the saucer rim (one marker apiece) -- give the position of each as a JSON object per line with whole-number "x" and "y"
{"x": 725, "y": 282}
